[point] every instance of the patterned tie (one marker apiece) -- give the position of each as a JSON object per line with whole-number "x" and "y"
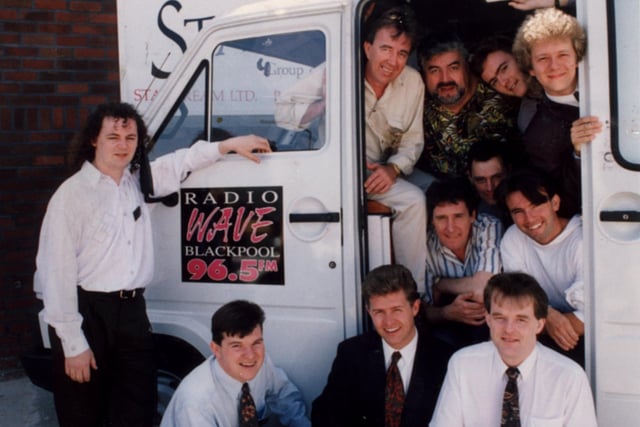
{"x": 510, "y": 405}
{"x": 393, "y": 394}
{"x": 248, "y": 417}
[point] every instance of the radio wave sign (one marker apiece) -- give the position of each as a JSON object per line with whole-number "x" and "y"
{"x": 232, "y": 235}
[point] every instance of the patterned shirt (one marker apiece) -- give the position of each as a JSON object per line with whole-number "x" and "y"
{"x": 448, "y": 136}
{"x": 482, "y": 253}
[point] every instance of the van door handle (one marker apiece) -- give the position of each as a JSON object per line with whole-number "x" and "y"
{"x": 315, "y": 217}
{"x": 620, "y": 216}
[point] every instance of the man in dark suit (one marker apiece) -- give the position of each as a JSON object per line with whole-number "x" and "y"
{"x": 358, "y": 390}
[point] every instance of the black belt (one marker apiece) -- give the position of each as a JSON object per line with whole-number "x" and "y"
{"x": 121, "y": 294}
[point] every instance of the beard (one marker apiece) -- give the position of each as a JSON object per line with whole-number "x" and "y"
{"x": 448, "y": 99}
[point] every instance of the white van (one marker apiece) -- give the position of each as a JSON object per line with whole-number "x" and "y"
{"x": 293, "y": 234}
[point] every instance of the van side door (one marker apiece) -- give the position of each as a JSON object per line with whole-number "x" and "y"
{"x": 611, "y": 208}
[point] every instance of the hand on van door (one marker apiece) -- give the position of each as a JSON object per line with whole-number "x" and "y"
{"x": 559, "y": 328}
{"x": 381, "y": 179}
{"x": 78, "y": 368}
{"x": 246, "y": 146}
{"x": 537, "y": 4}
{"x": 584, "y": 130}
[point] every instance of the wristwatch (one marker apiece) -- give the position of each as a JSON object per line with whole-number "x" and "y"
{"x": 396, "y": 168}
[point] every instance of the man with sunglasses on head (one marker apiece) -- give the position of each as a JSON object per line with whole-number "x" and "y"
{"x": 394, "y": 94}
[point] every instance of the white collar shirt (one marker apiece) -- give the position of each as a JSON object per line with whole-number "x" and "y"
{"x": 405, "y": 364}
{"x": 565, "y": 99}
{"x": 208, "y": 396}
{"x": 91, "y": 238}
{"x": 553, "y": 390}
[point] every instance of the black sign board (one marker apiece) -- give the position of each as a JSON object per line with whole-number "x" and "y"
{"x": 232, "y": 235}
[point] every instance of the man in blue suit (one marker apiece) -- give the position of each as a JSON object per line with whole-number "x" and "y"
{"x": 357, "y": 391}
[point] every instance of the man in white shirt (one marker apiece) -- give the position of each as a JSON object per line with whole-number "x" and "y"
{"x": 357, "y": 390}
{"x": 549, "y": 247}
{"x": 550, "y": 389}
{"x": 394, "y": 95}
{"x": 211, "y": 395}
{"x": 95, "y": 258}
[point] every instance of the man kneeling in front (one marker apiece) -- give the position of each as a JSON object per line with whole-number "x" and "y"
{"x": 240, "y": 385}
{"x": 388, "y": 376}
{"x": 513, "y": 380}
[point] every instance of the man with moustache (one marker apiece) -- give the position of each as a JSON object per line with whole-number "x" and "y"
{"x": 459, "y": 109}
{"x": 359, "y": 390}
{"x": 215, "y": 392}
{"x": 512, "y": 380}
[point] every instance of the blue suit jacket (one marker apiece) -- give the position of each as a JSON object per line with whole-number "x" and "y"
{"x": 354, "y": 394}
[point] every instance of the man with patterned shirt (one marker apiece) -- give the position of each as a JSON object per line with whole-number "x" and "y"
{"x": 459, "y": 109}
{"x": 463, "y": 254}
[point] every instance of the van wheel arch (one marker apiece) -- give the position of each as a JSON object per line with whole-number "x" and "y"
{"x": 175, "y": 358}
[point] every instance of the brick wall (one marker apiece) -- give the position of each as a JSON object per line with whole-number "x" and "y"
{"x": 58, "y": 59}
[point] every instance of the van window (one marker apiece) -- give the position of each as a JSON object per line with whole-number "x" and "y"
{"x": 186, "y": 122}
{"x": 625, "y": 84}
{"x": 265, "y": 86}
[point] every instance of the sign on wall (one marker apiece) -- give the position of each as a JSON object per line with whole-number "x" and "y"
{"x": 152, "y": 37}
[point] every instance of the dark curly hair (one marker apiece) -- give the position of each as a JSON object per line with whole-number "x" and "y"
{"x": 82, "y": 148}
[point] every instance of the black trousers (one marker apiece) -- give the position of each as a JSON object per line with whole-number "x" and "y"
{"x": 122, "y": 391}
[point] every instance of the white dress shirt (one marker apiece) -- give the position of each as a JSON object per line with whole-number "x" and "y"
{"x": 405, "y": 364}
{"x": 91, "y": 238}
{"x": 553, "y": 390}
{"x": 209, "y": 397}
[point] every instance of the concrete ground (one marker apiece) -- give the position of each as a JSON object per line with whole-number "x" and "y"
{"x": 22, "y": 404}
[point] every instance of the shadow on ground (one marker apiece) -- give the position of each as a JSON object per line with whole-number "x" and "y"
{"x": 24, "y": 404}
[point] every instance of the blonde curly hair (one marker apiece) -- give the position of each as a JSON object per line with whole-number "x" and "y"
{"x": 545, "y": 24}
